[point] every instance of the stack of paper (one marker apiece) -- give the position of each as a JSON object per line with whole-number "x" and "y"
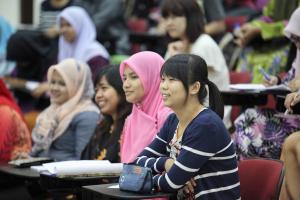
{"x": 80, "y": 167}
{"x": 251, "y": 86}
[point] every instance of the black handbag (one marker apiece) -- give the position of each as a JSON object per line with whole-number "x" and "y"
{"x": 136, "y": 179}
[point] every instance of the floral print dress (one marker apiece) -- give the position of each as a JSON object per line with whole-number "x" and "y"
{"x": 261, "y": 133}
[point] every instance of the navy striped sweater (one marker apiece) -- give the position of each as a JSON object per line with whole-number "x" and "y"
{"x": 206, "y": 154}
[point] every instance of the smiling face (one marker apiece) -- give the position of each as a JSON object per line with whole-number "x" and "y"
{"x": 173, "y": 92}
{"x": 132, "y": 86}
{"x": 58, "y": 89}
{"x": 106, "y": 97}
{"x": 67, "y": 31}
{"x": 176, "y": 26}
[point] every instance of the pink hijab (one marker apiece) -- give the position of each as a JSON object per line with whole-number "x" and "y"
{"x": 55, "y": 119}
{"x": 293, "y": 27}
{"x": 148, "y": 116}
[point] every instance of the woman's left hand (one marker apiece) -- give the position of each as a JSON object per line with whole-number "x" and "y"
{"x": 20, "y": 155}
{"x": 291, "y": 100}
{"x": 14, "y": 83}
{"x": 52, "y": 32}
{"x": 40, "y": 90}
{"x": 247, "y": 33}
{"x": 177, "y": 47}
{"x": 168, "y": 164}
{"x": 189, "y": 186}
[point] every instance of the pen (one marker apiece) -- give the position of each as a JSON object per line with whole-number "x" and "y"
{"x": 262, "y": 71}
{"x": 286, "y": 112}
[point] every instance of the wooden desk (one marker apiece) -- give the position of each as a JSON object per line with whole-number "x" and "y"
{"x": 105, "y": 190}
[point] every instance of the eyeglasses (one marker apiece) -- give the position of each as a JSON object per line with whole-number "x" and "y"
{"x": 295, "y": 39}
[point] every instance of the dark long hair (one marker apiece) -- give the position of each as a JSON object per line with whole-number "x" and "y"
{"x": 112, "y": 75}
{"x": 189, "y": 69}
{"x": 97, "y": 142}
{"x": 188, "y": 9}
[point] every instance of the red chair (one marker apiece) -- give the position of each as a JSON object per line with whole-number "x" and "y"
{"x": 238, "y": 77}
{"x": 260, "y": 179}
{"x": 137, "y": 26}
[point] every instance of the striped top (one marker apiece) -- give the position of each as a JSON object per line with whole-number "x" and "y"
{"x": 48, "y": 14}
{"x": 47, "y": 19}
{"x": 205, "y": 153}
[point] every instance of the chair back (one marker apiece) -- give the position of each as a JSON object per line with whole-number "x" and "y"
{"x": 260, "y": 179}
{"x": 238, "y": 77}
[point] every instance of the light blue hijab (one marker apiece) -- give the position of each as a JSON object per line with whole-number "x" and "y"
{"x": 5, "y": 32}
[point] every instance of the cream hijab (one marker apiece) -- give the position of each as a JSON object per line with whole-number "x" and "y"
{"x": 55, "y": 119}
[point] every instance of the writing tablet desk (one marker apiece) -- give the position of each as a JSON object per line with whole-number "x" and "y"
{"x": 249, "y": 98}
{"x": 25, "y": 173}
{"x": 18, "y": 182}
{"x": 91, "y": 192}
{"x": 61, "y": 186}
{"x": 144, "y": 37}
{"x": 150, "y": 41}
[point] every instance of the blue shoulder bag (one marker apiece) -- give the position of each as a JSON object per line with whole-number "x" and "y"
{"x": 135, "y": 178}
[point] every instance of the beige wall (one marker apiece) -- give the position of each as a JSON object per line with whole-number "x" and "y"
{"x": 10, "y": 9}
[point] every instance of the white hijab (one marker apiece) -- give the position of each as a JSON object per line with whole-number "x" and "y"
{"x": 85, "y": 45}
{"x": 293, "y": 27}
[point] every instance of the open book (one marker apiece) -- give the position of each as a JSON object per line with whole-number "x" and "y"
{"x": 81, "y": 168}
{"x": 251, "y": 86}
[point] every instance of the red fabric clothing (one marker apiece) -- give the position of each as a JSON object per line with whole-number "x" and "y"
{"x": 7, "y": 99}
{"x": 14, "y": 135}
{"x": 15, "y": 138}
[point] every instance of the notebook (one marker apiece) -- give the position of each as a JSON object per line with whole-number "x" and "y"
{"x": 80, "y": 168}
{"x": 251, "y": 86}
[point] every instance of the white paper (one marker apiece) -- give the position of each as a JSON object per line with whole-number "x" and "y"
{"x": 248, "y": 86}
{"x": 251, "y": 86}
{"x": 39, "y": 168}
{"x": 31, "y": 85}
{"x": 114, "y": 186}
{"x": 279, "y": 87}
{"x": 83, "y": 167}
